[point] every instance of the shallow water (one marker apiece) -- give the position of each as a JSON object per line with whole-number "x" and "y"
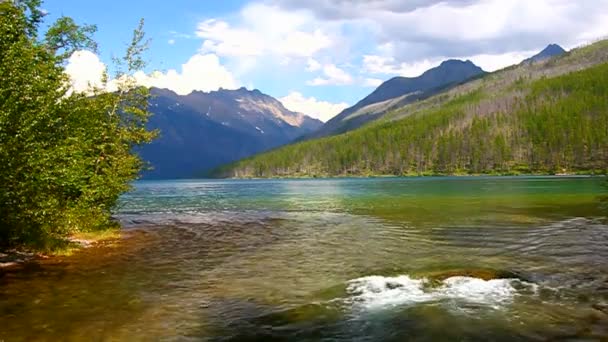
{"x": 341, "y": 260}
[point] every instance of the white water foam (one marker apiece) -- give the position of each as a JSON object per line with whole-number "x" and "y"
{"x": 378, "y": 292}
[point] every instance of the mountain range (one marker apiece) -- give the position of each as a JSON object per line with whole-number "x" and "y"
{"x": 547, "y": 115}
{"x": 201, "y": 131}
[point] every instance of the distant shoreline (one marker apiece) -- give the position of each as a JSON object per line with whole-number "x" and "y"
{"x": 572, "y": 175}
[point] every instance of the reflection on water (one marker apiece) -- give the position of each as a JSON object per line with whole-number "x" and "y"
{"x": 369, "y": 260}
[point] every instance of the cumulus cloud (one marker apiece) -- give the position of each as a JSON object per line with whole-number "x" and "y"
{"x": 377, "y": 38}
{"x": 421, "y": 30}
{"x": 332, "y": 75}
{"x": 372, "y": 82}
{"x": 313, "y": 65}
{"x": 374, "y": 64}
{"x": 352, "y": 9}
{"x": 85, "y": 70}
{"x": 394, "y": 37}
{"x": 381, "y": 65}
{"x": 202, "y": 72}
{"x": 310, "y": 106}
{"x": 224, "y": 40}
{"x": 280, "y": 33}
{"x": 494, "y": 62}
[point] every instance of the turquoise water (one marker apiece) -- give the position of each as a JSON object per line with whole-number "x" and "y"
{"x": 386, "y": 259}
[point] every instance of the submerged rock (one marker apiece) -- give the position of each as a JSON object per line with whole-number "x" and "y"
{"x": 393, "y": 285}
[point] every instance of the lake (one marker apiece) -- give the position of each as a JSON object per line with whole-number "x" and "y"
{"x": 386, "y": 259}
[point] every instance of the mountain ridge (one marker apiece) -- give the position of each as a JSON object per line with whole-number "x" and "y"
{"x": 202, "y": 130}
{"x": 545, "y": 117}
{"x": 552, "y": 50}
{"x": 449, "y": 72}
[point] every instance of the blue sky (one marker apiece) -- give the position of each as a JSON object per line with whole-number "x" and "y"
{"x": 117, "y": 19}
{"x": 319, "y": 56}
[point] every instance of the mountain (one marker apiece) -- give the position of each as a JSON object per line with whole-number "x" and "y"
{"x": 400, "y": 91}
{"x": 550, "y": 51}
{"x": 202, "y": 130}
{"x": 535, "y": 118}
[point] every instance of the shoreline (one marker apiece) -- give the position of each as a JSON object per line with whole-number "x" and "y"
{"x": 16, "y": 257}
{"x": 507, "y": 175}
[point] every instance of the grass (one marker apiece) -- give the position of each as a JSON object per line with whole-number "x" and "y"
{"x": 78, "y": 241}
{"x": 96, "y": 236}
{"x": 56, "y": 247}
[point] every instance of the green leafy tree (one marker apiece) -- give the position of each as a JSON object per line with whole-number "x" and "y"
{"x": 65, "y": 157}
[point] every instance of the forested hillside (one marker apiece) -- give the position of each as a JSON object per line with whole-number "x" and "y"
{"x": 399, "y": 91}
{"x": 551, "y": 117}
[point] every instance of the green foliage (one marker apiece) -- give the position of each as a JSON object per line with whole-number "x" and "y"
{"x": 64, "y": 158}
{"x": 551, "y": 125}
{"x": 33, "y": 14}
{"x": 65, "y": 37}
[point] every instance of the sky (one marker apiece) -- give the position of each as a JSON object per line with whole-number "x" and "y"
{"x": 321, "y": 56}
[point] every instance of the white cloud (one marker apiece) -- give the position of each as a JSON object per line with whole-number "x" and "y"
{"x": 264, "y": 30}
{"x": 423, "y": 32}
{"x": 372, "y": 82}
{"x": 374, "y": 64}
{"x": 484, "y": 20}
{"x": 302, "y": 44}
{"x": 597, "y": 29}
{"x": 180, "y": 35}
{"x": 85, "y": 70}
{"x": 224, "y": 40}
{"x": 200, "y": 72}
{"x": 332, "y": 76}
{"x": 498, "y": 61}
{"x": 310, "y": 106}
{"x": 395, "y": 37}
{"x": 313, "y": 65}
